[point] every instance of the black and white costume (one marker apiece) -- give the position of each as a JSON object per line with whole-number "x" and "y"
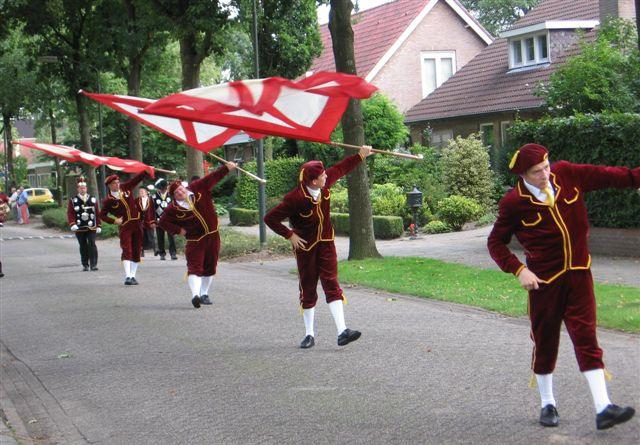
{"x": 84, "y": 220}
{"x": 161, "y": 200}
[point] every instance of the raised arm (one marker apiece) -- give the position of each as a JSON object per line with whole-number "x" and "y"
{"x": 209, "y": 181}
{"x": 342, "y": 168}
{"x": 133, "y": 182}
{"x": 596, "y": 177}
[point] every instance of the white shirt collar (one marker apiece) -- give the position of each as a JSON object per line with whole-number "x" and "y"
{"x": 115, "y": 194}
{"x": 315, "y": 193}
{"x": 539, "y": 194}
{"x": 184, "y": 204}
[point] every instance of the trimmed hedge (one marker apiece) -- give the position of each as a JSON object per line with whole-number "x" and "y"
{"x": 39, "y": 208}
{"x": 57, "y": 218}
{"x": 602, "y": 139}
{"x": 281, "y": 175}
{"x": 384, "y": 227}
{"x": 243, "y": 217}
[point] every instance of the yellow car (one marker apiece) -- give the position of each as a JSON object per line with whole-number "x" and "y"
{"x": 38, "y": 195}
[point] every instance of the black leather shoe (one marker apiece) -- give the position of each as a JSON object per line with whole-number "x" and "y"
{"x": 549, "y": 416}
{"x": 162, "y": 257}
{"x": 195, "y": 301}
{"x": 307, "y": 342}
{"x": 613, "y": 415}
{"x": 347, "y": 336}
{"x": 142, "y": 253}
{"x": 204, "y": 299}
{"x": 85, "y": 268}
{"x": 134, "y": 281}
{"x": 173, "y": 257}
{"x": 127, "y": 281}
{"x": 94, "y": 267}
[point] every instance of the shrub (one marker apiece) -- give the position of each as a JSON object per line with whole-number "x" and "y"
{"x": 281, "y": 175}
{"x": 221, "y": 210}
{"x": 458, "y": 210}
{"x": 384, "y": 227}
{"x": 226, "y": 186}
{"x": 436, "y": 227}
{"x": 57, "y": 218}
{"x": 339, "y": 200}
{"x": 388, "y": 200}
{"x": 602, "y": 139}
{"x": 39, "y": 208}
{"x": 234, "y": 244}
{"x": 243, "y": 217}
{"x": 466, "y": 171}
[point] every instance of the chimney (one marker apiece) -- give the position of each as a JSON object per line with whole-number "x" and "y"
{"x": 624, "y": 9}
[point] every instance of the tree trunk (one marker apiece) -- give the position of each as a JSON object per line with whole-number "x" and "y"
{"x": 135, "y": 130}
{"x": 85, "y": 142}
{"x": 362, "y": 243}
{"x": 8, "y": 150}
{"x": 54, "y": 140}
{"x": 191, "y": 79}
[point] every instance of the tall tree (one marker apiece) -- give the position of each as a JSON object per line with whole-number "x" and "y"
{"x": 497, "y": 15}
{"x": 361, "y": 239}
{"x": 200, "y": 26}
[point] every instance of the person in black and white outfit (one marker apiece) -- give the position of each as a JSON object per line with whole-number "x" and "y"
{"x": 84, "y": 220}
{"x": 161, "y": 199}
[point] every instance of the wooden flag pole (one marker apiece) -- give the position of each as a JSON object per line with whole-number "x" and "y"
{"x": 162, "y": 170}
{"x": 374, "y": 150}
{"x": 251, "y": 175}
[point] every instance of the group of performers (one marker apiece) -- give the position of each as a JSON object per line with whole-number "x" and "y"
{"x": 545, "y": 211}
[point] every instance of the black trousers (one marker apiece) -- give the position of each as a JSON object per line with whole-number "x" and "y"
{"x": 172, "y": 243}
{"x": 88, "y": 249}
{"x": 148, "y": 240}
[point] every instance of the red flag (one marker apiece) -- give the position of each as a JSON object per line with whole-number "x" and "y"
{"x": 203, "y": 137}
{"x": 307, "y": 109}
{"x": 74, "y": 155}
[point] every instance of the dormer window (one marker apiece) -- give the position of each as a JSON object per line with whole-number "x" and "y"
{"x": 528, "y": 50}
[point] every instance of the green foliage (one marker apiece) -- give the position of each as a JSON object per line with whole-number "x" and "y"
{"x": 225, "y": 187}
{"x": 234, "y": 244}
{"x": 384, "y": 227}
{"x": 17, "y": 79}
{"x": 20, "y": 169}
{"x": 339, "y": 199}
{"x": 456, "y": 211}
{"x": 383, "y": 124}
{"x": 466, "y": 171}
{"x": 39, "y": 208}
{"x": 388, "y": 200}
{"x": 243, "y": 217}
{"x": 604, "y": 76}
{"x": 281, "y": 175}
{"x": 436, "y": 227}
{"x": 55, "y": 217}
{"x": 601, "y": 139}
{"x": 498, "y": 15}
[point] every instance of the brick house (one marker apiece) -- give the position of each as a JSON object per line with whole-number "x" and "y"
{"x": 407, "y": 48}
{"x": 496, "y": 87}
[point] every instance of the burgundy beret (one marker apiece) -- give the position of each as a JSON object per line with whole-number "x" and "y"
{"x": 174, "y": 186}
{"x": 110, "y": 179}
{"x": 310, "y": 171}
{"x": 526, "y": 157}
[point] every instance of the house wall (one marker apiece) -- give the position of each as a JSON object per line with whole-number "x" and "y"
{"x": 625, "y": 9}
{"x": 441, "y": 30}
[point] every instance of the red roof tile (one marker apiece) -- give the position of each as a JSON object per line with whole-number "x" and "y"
{"x": 374, "y": 30}
{"x": 485, "y": 84}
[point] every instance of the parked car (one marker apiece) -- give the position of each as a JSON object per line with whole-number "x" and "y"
{"x": 39, "y": 195}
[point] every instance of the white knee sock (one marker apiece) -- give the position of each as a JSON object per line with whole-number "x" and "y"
{"x": 598, "y": 387}
{"x": 337, "y": 310}
{"x": 308, "y": 315}
{"x": 204, "y": 286}
{"x": 134, "y": 267}
{"x": 127, "y": 268}
{"x": 195, "y": 282}
{"x": 545, "y": 386}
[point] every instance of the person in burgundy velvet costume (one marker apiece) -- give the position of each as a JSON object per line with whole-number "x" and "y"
{"x": 121, "y": 203}
{"x": 193, "y": 215}
{"x": 311, "y": 235}
{"x": 547, "y": 214}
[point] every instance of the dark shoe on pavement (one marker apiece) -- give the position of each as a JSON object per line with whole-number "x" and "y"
{"x": 613, "y": 415}
{"x": 549, "y": 416}
{"x": 204, "y": 299}
{"x": 307, "y": 342}
{"x": 85, "y": 268}
{"x": 173, "y": 257}
{"x": 94, "y": 267}
{"x": 347, "y": 336}
{"x": 142, "y": 253}
{"x": 134, "y": 281}
{"x": 195, "y": 301}
{"x": 127, "y": 281}
{"x": 162, "y": 257}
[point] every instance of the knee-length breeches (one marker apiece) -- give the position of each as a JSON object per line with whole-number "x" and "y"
{"x": 569, "y": 298}
{"x": 131, "y": 241}
{"x": 321, "y": 262}
{"x": 202, "y": 255}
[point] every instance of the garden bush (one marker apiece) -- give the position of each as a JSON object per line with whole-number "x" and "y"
{"x": 243, "y": 217}
{"x": 436, "y": 227}
{"x": 57, "y": 218}
{"x": 281, "y": 175}
{"x": 39, "y": 208}
{"x": 384, "y": 227}
{"x": 458, "y": 210}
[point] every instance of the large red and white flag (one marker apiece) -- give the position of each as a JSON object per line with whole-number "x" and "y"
{"x": 307, "y": 109}
{"x": 201, "y": 136}
{"x": 74, "y": 155}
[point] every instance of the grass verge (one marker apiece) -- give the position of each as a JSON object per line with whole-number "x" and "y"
{"x": 618, "y": 306}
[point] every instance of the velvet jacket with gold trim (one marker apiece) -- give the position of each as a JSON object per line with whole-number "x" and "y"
{"x": 202, "y": 219}
{"x": 554, "y": 238}
{"x": 310, "y": 219}
{"x": 124, "y": 207}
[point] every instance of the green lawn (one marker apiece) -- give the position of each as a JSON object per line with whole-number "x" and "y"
{"x": 618, "y": 306}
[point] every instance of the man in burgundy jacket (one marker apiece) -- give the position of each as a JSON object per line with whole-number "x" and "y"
{"x": 193, "y": 215}
{"x": 307, "y": 208}
{"x": 547, "y": 214}
{"x": 121, "y": 203}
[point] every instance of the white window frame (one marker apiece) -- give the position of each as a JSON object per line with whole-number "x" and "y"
{"x": 32, "y": 179}
{"x": 438, "y": 56}
{"x": 488, "y": 124}
{"x": 504, "y": 125}
{"x": 537, "y": 49}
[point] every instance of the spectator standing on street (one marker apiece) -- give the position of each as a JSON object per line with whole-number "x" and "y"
{"x": 22, "y": 205}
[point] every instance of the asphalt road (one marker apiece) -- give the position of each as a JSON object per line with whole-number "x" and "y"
{"x": 85, "y": 359}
